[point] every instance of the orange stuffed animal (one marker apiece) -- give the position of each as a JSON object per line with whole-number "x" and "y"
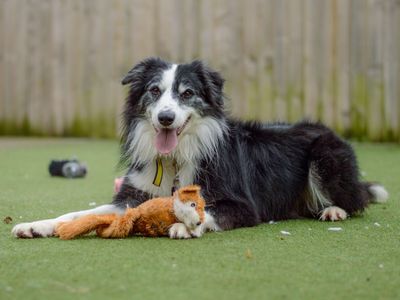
{"x": 152, "y": 218}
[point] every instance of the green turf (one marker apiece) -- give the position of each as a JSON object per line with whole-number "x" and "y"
{"x": 360, "y": 262}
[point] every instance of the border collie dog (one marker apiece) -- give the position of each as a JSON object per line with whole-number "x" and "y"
{"x": 176, "y": 131}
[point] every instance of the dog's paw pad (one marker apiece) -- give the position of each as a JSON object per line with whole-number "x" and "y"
{"x": 333, "y": 213}
{"x": 179, "y": 231}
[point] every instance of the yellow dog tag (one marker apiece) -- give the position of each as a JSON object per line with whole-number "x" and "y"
{"x": 159, "y": 172}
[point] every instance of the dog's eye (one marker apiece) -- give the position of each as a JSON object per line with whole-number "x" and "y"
{"x": 187, "y": 94}
{"x": 193, "y": 204}
{"x": 155, "y": 91}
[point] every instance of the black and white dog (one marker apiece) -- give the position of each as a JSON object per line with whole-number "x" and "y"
{"x": 176, "y": 130}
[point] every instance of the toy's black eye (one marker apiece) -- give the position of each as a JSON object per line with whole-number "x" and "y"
{"x": 193, "y": 204}
{"x": 187, "y": 94}
{"x": 155, "y": 91}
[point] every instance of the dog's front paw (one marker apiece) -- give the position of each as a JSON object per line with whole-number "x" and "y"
{"x": 179, "y": 231}
{"x": 198, "y": 232}
{"x": 36, "y": 229}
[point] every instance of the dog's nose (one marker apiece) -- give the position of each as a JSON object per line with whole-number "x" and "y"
{"x": 166, "y": 117}
{"x": 198, "y": 223}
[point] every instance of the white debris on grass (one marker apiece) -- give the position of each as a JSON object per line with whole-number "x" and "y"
{"x": 377, "y": 224}
{"x": 381, "y": 266}
{"x": 335, "y": 228}
{"x": 366, "y": 227}
{"x": 92, "y": 203}
{"x": 272, "y": 222}
{"x": 285, "y": 232}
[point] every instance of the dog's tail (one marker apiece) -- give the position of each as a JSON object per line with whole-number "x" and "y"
{"x": 376, "y": 192}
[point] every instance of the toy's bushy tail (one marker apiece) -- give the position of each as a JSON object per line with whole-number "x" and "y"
{"x": 83, "y": 225}
{"x": 121, "y": 227}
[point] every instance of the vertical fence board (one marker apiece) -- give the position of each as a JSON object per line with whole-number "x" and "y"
{"x": 251, "y": 48}
{"x": 294, "y": 58}
{"x": 396, "y": 71}
{"x": 375, "y": 67}
{"x": 190, "y": 30}
{"x": 143, "y": 30}
{"x": 391, "y": 61}
{"x": 343, "y": 66}
{"x": 327, "y": 62}
{"x": 3, "y": 73}
{"x": 265, "y": 59}
{"x": 280, "y": 62}
{"x": 358, "y": 64}
{"x": 310, "y": 65}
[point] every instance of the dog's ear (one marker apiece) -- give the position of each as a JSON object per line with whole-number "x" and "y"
{"x": 216, "y": 87}
{"x": 133, "y": 73}
{"x": 212, "y": 81}
{"x": 138, "y": 72}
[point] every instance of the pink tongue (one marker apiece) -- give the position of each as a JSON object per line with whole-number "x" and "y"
{"x": 166, "y": 140}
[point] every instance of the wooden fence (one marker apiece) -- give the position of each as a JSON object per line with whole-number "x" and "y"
{"x": 332, "y": 60}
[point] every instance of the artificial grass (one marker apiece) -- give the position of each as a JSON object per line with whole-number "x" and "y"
{"x": 361, "y": 261}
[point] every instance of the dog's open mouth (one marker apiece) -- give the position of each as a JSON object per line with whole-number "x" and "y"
{"x": 167, "y": 138}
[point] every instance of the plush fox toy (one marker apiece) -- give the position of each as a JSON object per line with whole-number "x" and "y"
{"x": 152, "y": 218}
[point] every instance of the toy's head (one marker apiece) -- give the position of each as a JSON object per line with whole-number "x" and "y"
{"x": 189, "y": 206}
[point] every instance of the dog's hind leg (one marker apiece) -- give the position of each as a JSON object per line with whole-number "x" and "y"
{"x": 334, "y": 189}
{"x": 46, "y": 228}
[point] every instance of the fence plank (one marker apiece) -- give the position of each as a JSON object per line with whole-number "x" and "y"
{"x": 265, "y": 15}
{"x": 375, "y": 67}
{"x": 294, "y": 58}
{"x": 342, "y": 65}
{"x": 311, "y": 84}
{"x": 391, "y": 61}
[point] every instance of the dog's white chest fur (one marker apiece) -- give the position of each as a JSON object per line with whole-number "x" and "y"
{"x": 143, "y": 179}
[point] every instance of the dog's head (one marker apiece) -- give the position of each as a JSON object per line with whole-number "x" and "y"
{"x": 172, "y": 110}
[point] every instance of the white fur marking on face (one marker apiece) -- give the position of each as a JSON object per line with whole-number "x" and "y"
{"x": 167, "y": 101}
{"x": 168, "y": 78}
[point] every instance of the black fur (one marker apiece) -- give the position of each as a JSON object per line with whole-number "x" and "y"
{"x": 262, "y": 171}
